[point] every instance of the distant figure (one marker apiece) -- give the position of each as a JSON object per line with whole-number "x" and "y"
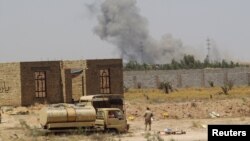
{"x": 148, "y": 115}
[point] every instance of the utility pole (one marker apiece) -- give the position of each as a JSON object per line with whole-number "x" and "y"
{"x": 141, "y": 45}
{"x": 208, "y": 49}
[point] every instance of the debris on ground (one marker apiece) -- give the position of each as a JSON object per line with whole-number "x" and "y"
{"x": 19, "y": 111}
{"x": 165, "y": 115}
{"x": 168, "y": 131}
{"x": 131, "y": 118}
{"x": 214, "y": 115}
{"x": 6, "y": 109}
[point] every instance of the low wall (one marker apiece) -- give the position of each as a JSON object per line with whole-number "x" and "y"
{"x": 10, "y": 84}
{"x": 187, "y": 78}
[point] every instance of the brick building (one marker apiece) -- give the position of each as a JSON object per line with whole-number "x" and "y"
{"x": 26, "y": 83}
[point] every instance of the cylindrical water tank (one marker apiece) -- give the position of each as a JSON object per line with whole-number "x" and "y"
{"x": 61, "y": 113}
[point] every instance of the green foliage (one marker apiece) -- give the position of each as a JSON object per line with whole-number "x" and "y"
{"x": 187, "y": 62}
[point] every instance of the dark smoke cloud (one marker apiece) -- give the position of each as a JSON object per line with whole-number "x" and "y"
{"x": 121, "y": 24}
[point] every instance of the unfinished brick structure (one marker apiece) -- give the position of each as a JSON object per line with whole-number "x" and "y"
{"x": 26, "y": 83}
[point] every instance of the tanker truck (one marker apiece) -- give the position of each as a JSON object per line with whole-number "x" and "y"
{"x": 68, "y": 116}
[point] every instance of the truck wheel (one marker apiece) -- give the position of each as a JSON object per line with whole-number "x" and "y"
{"x": 45, "y": 127}
{"x": 111, "y": 131}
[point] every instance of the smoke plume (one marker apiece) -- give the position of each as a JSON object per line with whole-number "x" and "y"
{"x": 121, "y": 24}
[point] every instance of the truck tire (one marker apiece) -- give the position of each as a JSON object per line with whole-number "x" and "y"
{"x": 111, "y": 131}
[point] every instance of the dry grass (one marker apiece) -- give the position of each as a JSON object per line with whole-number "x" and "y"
{"x": 184, "y": 94}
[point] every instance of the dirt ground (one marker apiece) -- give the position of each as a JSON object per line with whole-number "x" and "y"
{"x": 21, "y": 123}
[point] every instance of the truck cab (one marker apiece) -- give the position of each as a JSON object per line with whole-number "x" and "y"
{"x": 111, "y": 119}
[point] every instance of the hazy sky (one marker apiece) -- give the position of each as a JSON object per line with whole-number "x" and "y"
{"x": 34, "y": 30}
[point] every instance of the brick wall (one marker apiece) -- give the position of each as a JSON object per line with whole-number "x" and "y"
{"x": 65, "y": 80}
{"x": 67, "y": 86}
{"x": 10, "y": 84}
{"x": 93, "y": 75}
{"x": 53, "y": 82}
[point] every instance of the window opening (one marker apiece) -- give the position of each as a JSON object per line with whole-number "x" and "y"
{"x": 105, "y": 81}
{"x": 40, "y": 84}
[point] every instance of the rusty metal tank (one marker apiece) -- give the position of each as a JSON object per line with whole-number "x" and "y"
{"x": 61, "y": 113}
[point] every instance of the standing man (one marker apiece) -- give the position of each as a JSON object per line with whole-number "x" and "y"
{"x": 148, "y": 115}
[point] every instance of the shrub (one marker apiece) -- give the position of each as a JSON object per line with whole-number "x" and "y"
{"x": 139, "y": 85}
{"x": 167, "y": 86}
{"x": 227, "y": 87}
{"x": 211, "y": 83}
{"x": 125, "y": 89}
{"x": 230, "y": 84}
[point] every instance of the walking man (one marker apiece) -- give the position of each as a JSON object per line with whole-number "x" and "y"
{"x": 148, "y": 115}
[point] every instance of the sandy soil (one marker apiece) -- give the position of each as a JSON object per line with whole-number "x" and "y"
{"x": 196, "y": 129}
{"x": 192, "y": 117}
